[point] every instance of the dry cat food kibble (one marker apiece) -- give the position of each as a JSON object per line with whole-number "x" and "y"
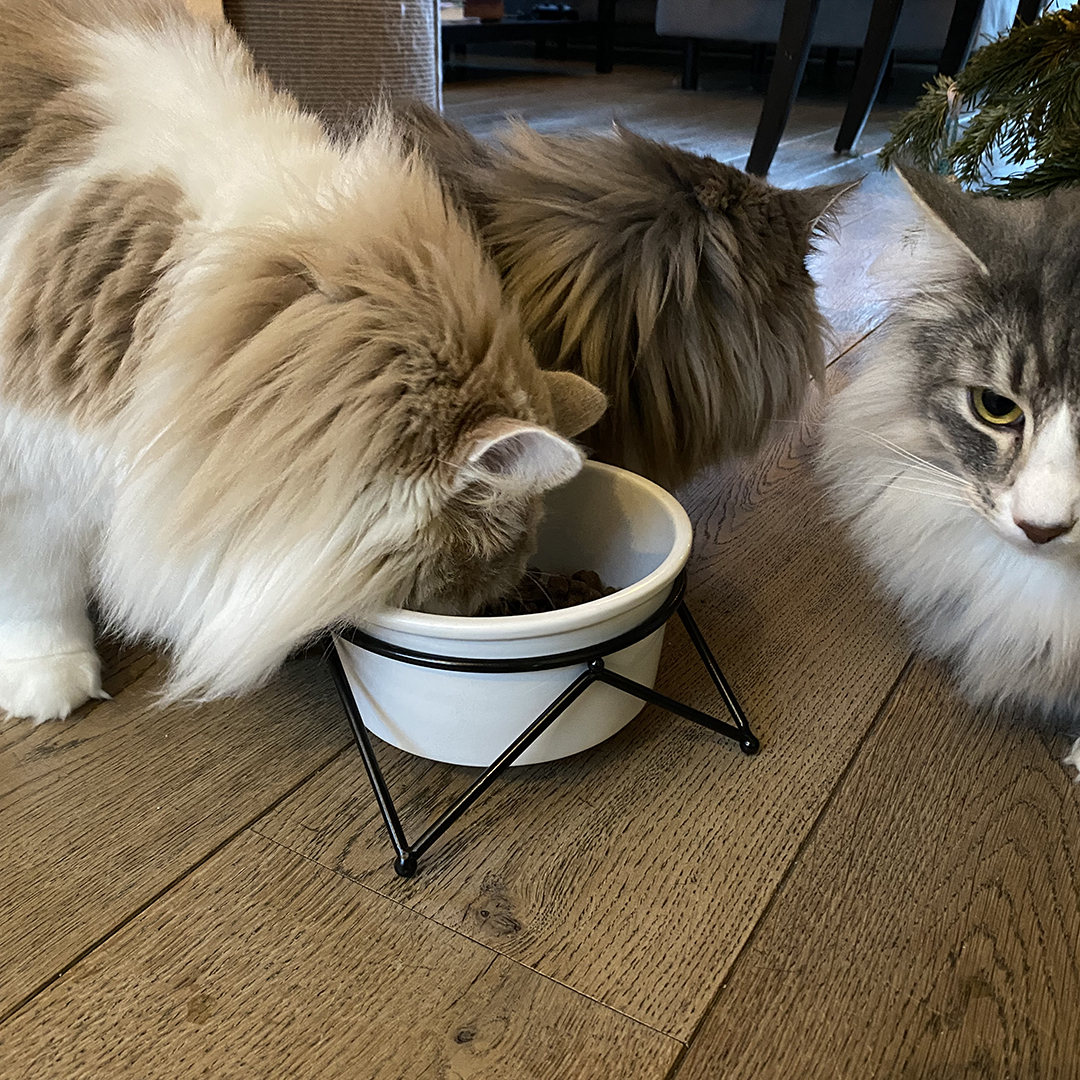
{"x": 539, "y": 591}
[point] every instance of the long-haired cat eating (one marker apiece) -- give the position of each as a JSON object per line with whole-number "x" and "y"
{"x": 954, "y": 453}
{"x": 253, "y": 382}
{"x": 674, "y": 282}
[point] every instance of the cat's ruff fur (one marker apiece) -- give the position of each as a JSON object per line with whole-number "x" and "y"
{"x": 674, "y": 282}
{"x": 984, "y": 294}
{"x": 253, "y": 382}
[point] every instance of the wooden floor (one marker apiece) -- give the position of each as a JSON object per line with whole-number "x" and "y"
{"x": 890, "y": 889}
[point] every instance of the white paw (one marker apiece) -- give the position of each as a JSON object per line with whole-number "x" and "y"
{"x": 49, "y": 687}
{"x": 1073, "y": 758}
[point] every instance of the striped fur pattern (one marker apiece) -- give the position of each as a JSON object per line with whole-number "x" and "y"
{"x": 254, "y": 382}
{"x": 676, "y": 283}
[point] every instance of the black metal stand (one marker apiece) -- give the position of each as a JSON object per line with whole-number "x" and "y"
{"x": 595, "y": 671}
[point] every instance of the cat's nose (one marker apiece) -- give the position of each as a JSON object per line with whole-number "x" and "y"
{"x": 1043, "y": 534}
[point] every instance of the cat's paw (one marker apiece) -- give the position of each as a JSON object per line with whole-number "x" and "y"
{"x": 49, "y": 687}
{"x": 1073, "y": 758}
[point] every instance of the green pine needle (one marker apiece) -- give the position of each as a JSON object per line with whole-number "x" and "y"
{"x": 1023, "y": 92}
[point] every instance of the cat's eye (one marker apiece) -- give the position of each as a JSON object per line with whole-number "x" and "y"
{"x": 993, "y": 408}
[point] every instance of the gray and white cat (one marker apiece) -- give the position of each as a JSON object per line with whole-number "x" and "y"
{"x": 954, "y": 452}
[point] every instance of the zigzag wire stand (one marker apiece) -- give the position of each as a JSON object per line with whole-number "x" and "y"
{"x": 408, "y": 854}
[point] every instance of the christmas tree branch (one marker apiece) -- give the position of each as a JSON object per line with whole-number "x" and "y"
{"x": 1024, "y": 89}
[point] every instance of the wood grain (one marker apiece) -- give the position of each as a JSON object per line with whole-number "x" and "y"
{"x": 99, "y": 813}
{"x": 649, "y": 101}
{"x": 930, "y": 928}
{"x": 262, "y": 964}
{"x": 654, "y": 853}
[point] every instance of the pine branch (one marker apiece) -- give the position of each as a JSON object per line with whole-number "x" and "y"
{"x": 1024, "y": 89}
{"x": 920, "y": 135}
{"x": 1047, "y": 176}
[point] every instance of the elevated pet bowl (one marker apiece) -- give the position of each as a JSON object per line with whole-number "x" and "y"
{"x": 498, "y": 691}
{"x": 634, "y": 534}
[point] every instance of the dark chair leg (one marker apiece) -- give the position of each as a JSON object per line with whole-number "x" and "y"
{"x": 759, "y": 52}
{"x": 961, "y": 36}
{"x": 884, "y": 16}
{"x": 1029, "y": 11}
{"x": 828, "y": 72}
{"x": 796, "y": 29}
{"x": 605, "y": 37}
{"x": 886, "y": 83}
{"x": 690, "y": 64}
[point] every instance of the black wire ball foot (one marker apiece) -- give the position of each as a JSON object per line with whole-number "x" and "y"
{"x": 405, "y": 865}
{"x": 408, "y": 854}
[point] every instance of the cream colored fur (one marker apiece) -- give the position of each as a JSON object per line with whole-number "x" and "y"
{"x": 329, "y": 407}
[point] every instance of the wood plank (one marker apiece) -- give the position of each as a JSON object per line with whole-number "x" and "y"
{"x": 656, "y": 852}
{"x": 99, "y": 813}
{"x": 262, "y": 964}
{"x": 930, "y": 928}
{"x": 122, "y": 665}
{"x": 634, "y": 873}
{"x": 650, "y": 102}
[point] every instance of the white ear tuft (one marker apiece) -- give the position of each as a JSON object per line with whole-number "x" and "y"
{"x": 922, "y": 248}
{"x": 942, "y": 231}
{"x": 521, "y": 457}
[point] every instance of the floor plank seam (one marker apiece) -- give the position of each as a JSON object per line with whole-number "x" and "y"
{"x": 855, "y": 344}
{"x": 165, "y": 890}
{"x": 734, "y": 159}
{"x": 841, "y": 780}
{"x": 683, "y": 1046}
{"x": 495, "y": 953}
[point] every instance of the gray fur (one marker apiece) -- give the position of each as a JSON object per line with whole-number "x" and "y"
{"x": 941, "y": 502}
{"x": 676, "y": 283}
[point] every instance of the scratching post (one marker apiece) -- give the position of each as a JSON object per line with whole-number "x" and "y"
{"x": 338, "y": 56}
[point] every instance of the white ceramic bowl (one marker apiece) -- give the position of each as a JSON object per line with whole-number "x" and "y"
{"x": 634, "y": 534}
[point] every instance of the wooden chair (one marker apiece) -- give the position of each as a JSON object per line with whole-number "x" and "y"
{"x": 794, "y": 46}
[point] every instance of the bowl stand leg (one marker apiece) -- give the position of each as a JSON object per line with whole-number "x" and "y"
{"x": 408, "y": 854}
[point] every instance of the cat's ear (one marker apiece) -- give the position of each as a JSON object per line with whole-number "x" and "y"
{"x": 953, "y": 223}
{"x": 518, "y": 457}
{"x": 818, "y": 207}
{"x": 576, "y": 404}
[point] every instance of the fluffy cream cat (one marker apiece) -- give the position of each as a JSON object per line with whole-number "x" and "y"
{"x": 253, "y": 382}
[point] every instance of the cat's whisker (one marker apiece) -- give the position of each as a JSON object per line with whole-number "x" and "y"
{"x": 538, "y": 578}
{"x": 902, "y": 474}
{"x": 943, "y": 494}
{"x": 948, "y": 489}
{"x": 913, "y": 458}
{"x": 903, "y": 451}
{"x": 929, "y": 483}
{"x": 940, "y": 495}
{"x": 956, "y": 483}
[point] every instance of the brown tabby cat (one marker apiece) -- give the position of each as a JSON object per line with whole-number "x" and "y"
{"x": 676, "y": 283}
